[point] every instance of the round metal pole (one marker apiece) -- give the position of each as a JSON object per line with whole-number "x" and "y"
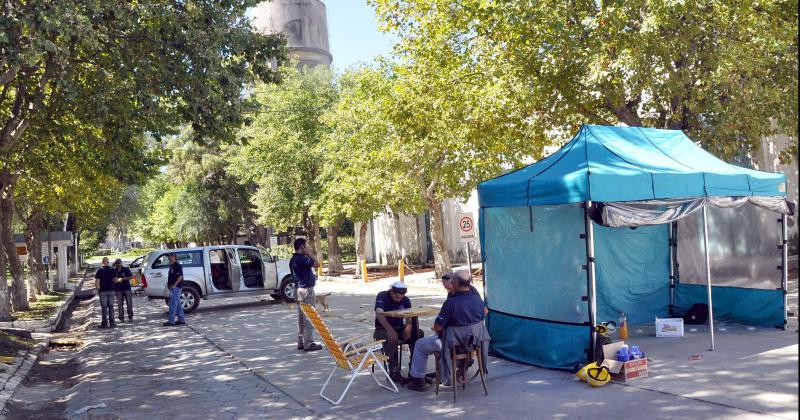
{"x": 469, "y": 262}
{"x": 784, "y": 267}
{"x": 673, "y": 239}
{"x": 708, "y": 278}
{"x": 590, "y": 275}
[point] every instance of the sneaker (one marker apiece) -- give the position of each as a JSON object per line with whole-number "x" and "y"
{"x": 312, "y": 347}
{"x": 114, "y": 325}
{"x": 168, "y": 324}
{"x": 121, "y": 319}
{"x": 130, "y": 319}
{"x": 180, "y": 323}
{"x": 101, "y": 326}
{"x": 417, "y": 384}
{"x": 300, "y": 346}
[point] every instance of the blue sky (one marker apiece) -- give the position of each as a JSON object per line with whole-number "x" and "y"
{"x": 353, "y": 33}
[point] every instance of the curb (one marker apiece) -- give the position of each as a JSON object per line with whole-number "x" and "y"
{"x": 19, "y": 370}
{"x": 49, "y": 324}
{"x": 64, "y": 306}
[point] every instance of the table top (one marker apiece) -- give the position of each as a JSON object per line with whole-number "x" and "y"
{"x": 412, "y": 312}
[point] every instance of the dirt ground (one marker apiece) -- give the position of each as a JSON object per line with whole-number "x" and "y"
{"x": 10, "y": 344}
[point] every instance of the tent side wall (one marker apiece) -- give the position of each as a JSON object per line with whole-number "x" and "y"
{"x": 745, "y": 260}
{"x": 632, "y": 273}
{"x": 535, "y": 284}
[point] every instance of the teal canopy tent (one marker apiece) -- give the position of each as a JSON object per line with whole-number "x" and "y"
{"x": 591, "y": 231}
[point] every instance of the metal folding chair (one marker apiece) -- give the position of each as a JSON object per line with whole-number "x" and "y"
{"x": 353, "y": 355}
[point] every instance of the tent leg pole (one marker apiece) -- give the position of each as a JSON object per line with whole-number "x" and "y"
{"x": 708, "y": 278}
{"x": 673, "y": 247}
{"x": 590, "y": 276}
{"x": 784, "y": 268}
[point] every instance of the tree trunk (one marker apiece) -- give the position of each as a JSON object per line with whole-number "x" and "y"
{"x": 334, "y": 250}
{"x": 361, "y": 246}
{"x": 312, "y": 236}
{"x": 5, "y": 299}
{"x": 33, "y": 239}
{"x": 19, "y": 283}
{"x": 441, "y": 259}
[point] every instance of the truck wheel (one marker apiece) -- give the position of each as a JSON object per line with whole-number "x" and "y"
{"x": 287, "y": 291}
{"x": 190, "y": 299}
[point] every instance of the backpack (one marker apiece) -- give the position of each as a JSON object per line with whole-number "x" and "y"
{"x": 696, "y": 315}
{"x": 600, "y": 341}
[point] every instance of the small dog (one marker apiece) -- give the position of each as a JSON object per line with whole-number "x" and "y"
{"x": 322, "y": 300}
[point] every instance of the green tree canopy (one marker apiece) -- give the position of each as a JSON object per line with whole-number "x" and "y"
{"x": 725, "y": 73}
{"x": 282, "y": 155}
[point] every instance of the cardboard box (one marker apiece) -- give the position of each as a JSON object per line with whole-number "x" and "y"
{"x": 631, "y": 370}
{"x": 669, "y": 327}
{"x": 622, "y": 371}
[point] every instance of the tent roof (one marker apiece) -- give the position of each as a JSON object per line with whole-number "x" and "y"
{"x": 610, "y": 164}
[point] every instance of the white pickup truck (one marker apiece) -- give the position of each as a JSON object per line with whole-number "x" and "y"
{"x": 218, "y": 271}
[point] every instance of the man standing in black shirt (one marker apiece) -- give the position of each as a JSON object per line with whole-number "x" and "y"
{"x": 175, "y": 286}
{"x": 104, "y": 283}
{"x": 302, "y": 266}
{"x": 122, "y": 285}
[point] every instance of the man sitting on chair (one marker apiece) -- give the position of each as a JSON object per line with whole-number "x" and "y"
{"x": 392, "y": 329}
{"x": 463, "y": 307}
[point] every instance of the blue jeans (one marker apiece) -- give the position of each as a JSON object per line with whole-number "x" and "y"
{"x": 175, "y": 307}
{"x": 422, "y": 349}
{"x": 107, "y": 306}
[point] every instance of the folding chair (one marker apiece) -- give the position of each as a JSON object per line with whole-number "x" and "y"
{"x": 353, "y": 355}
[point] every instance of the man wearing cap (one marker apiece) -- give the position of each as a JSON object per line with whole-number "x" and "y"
{"x": 175, "y": 286}
{"x": 302, "y": 265}
{"x": 104, "y": 283}
{"x": 393, "y": 329}
{"x": 463, "y": 307}
{"x": 122, "y": 286}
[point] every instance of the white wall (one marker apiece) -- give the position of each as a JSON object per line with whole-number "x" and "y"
{"x": 404, "y": 236}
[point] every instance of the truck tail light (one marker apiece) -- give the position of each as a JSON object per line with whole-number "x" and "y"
{"x": 144, "y": 281}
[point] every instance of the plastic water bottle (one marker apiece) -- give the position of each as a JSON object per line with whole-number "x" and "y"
{"x": 623, "y": 327}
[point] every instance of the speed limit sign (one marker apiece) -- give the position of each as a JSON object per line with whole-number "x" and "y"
{"x": 466, "y": 227}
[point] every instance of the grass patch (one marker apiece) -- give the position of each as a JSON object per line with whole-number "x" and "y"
{"x": 44, "y": 306}
{"x": 10, "y": 344}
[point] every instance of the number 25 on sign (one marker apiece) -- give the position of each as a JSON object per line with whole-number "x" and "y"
{"x": 466, "y": 224}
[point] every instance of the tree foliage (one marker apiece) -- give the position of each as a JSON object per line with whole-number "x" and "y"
{"x": 725, "y": 73}
{"x": 282, "y": 154}
{"x": 103, "y": 74}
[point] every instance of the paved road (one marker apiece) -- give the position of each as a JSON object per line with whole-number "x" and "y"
{"x": 237, "y": 359}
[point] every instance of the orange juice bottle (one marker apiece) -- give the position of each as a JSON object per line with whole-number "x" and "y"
{"x": 623, "y": 327}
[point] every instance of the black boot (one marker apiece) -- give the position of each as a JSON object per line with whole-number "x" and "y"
{"x": 397, "y": 377}
{"x": 417, "y": 384}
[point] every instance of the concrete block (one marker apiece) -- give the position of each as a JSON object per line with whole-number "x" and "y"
{"x": 19, "y": 332}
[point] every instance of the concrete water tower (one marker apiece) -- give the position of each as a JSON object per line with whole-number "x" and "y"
{"x": 305, "y": 24}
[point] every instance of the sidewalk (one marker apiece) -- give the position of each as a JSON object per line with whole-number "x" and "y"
{"x": 142, "y": 370}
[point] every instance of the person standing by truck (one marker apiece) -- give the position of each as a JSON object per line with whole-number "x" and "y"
{"x": 175, "y": 286}
{"x": 302, "y": 266}
{"x": 122, "y": 285}
{"x": 104, "y": 283}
